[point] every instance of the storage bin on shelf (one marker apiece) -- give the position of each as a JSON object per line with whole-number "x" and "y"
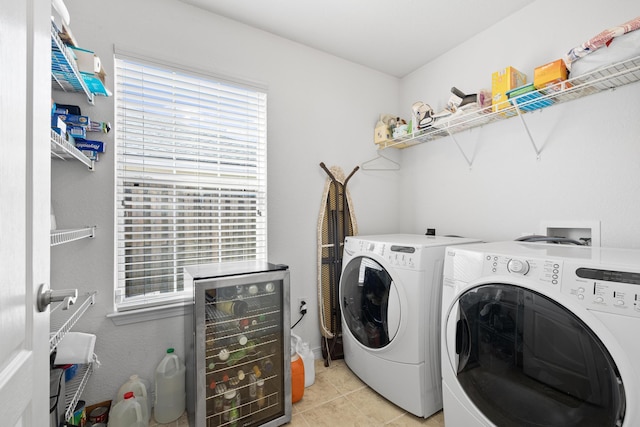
{"x": 527, "y": 98}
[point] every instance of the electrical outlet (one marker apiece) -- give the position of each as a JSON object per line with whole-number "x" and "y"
{"x": 303, "y": 303}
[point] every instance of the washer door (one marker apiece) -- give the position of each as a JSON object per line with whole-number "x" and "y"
{"x": 370, "y": 302}
{"x": 525, "y": 360}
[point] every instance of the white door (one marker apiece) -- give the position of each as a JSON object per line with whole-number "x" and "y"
{"x": 24, "y": 211}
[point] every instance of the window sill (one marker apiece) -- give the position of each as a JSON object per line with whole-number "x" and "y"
{"x": 148, "y": 314}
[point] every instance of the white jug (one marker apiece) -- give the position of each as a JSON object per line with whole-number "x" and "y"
{"x": 302, "y": 348}
{"x": 140, "y": 391}
{"x": 170, "y": 388}
{"x": 127, "y": 413}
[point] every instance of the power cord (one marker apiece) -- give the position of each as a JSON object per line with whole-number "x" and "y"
{"x": 303, "y": 311}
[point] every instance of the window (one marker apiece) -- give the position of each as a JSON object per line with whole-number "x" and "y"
{"x": 191, "y": 177}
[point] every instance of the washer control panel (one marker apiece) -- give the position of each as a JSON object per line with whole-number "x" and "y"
{"x": 404, "y": 256}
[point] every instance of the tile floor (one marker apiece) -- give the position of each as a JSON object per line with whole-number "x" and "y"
{"x": 338, "y": 398}
{"x": 183, "y": 421}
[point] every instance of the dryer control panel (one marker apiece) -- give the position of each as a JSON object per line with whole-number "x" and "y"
{"x": 545, "y": 271}
{"x": 608, "y": 290}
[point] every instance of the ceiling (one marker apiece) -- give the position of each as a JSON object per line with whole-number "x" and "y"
{"x": 395, "y": 37}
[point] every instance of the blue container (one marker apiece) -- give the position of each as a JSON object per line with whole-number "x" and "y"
{"x": 70, "y": 372}
{"x": 528, "y": 95}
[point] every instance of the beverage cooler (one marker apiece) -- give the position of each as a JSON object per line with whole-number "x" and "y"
{"x": 237, "y": 345}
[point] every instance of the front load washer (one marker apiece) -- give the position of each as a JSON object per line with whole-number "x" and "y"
{"x": 390, "y": 303}
{"x": 538, "y": 334}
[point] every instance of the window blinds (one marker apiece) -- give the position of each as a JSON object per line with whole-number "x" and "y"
{"x": 191, "y": 177}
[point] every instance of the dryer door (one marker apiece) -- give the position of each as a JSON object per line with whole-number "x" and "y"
{"x": 370, "y": 302}
{"x": 525, "y": 360}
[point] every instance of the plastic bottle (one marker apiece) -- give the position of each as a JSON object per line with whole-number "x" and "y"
{"x": 253, "y": 391}
{"x": 256, "y": 371}
{"x": 237, "y": 307}
{"x": 236, "y": 356}
{"x": 309, "y": 364}
{"x": 127, "y": 413}
{"x": 170, "y": 388}
{"x": 231, "y": 407}
{"x": 260, "y": 393}
{"x": 218, "y": 401}
{"x": 297, "y": 377}
{"x": 140, "y": 391}
{"x": 307, "y": 358}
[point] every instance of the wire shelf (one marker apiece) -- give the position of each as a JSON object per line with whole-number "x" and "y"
{"x": 59, "y": 237}
{"x": 63, "y": 320}
{"x": 606, "y": 78}
{"x": 75, "y": 387}
{"x": 63, "y": 149}
{"x": 64, "y": 71}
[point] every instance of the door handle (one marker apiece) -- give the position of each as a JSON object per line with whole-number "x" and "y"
{"x": 463, "y": 342}
{"x": 47, "y": 296}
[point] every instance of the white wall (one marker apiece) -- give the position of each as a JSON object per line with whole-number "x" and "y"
{"x": 320, "y": 109}
{"x": 589, "y": 165}
{"x": 323, "y": 109}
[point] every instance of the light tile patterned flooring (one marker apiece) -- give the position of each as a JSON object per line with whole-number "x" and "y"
{"x": 338, "y": 398}
{"x": 183, "y": 421}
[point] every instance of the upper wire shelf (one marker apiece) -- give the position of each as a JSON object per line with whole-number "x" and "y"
{"x": 64, "y": 71}
{"x": 610, "y": 77}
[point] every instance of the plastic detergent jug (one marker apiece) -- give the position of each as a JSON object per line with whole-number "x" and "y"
{"x": 139, "y": 388}
{"x": 297, "y": 376}
{"x": 307, "y": 358}
{"x": 170, "y": 388}
{"x": 127, "y": 413}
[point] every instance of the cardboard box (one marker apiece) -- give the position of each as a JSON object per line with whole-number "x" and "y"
{"x": 77, "y": 131}
{"x": 58, "y": 125}
{"x": 86, "y": 60}
{"x": 550, "y": 74}
{"x": 381, "y": 134}
{"x": 87, "y": 144}
{"x": 59, "y": 131}
{"x": 528, "y": 98}
{"x": 95, "y": 83}
{"x": 73, "y": 119}
{"x": 502, "y": 82}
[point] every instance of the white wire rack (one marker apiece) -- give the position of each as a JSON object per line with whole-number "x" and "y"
{"x": 606, "y": 78}
{"x": 63, "y": 149}
{"x": 59, "y": 237}
{"x": 75, "y": 387}
{"x": 64, "y": 70}
{"x": 63, "y": 320}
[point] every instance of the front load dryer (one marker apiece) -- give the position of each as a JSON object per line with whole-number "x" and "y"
{"x": 390, "y": 291}
{"x": 538, "y": 334}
